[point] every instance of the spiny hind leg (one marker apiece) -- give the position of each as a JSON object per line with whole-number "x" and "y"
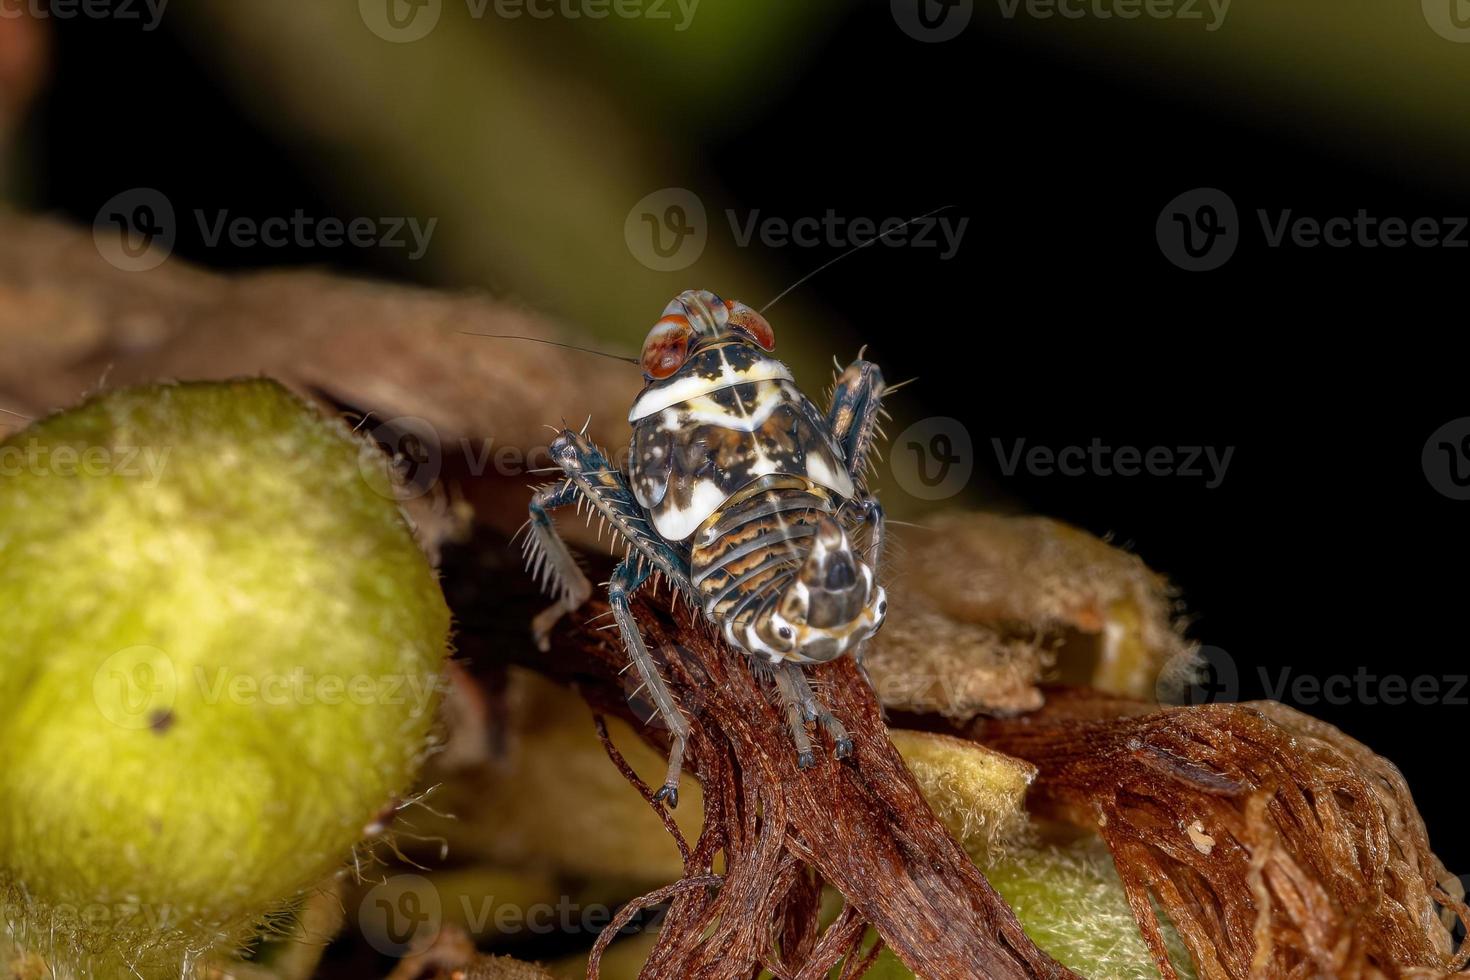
{"x": 813, "y": 709}
{"x": 626, "y": 579}
{"x": 551, "y": 561}
{"x": 870, "y": 514}
{"x": 855, "y": 414}
{"x": 855, "y": 417}
{"x": 591, "y": 481}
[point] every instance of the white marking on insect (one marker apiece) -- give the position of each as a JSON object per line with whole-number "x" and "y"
{"x": 676, "y": 523}
{"x": 683, "y": 389}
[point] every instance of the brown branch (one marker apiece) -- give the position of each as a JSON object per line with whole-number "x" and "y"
{"x": 860, "y": 825}
{"x": 642, "y": 787}
{"x": 626, "y": 914}
{"x": 1276, "y": 845}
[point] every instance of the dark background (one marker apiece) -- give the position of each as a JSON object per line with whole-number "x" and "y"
{"x": 1325, "y": 549}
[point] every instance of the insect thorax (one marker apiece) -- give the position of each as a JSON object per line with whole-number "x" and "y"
{"x": 729, "y": 456}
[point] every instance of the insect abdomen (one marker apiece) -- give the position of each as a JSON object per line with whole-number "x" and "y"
{"x": 751, "y": 547}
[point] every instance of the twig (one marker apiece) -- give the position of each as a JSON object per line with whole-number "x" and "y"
{"x": 627, "y": 912}
{"x": 641, "y": 786}
{"x": 861, "y": 825}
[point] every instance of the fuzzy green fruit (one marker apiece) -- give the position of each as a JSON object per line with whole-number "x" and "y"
{"x": 221, "y": 657}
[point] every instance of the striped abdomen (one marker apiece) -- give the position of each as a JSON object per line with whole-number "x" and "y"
{"x": 777, "y": 574}
{"x": 751, "y": 547}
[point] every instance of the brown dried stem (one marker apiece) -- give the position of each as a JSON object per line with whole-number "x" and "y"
{"x": 1278, "y": 846}
{"x": 860, "y": 825}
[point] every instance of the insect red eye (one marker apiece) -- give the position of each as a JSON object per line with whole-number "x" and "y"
{"x": 752, "y": 324}
{"x": 667, "y": 347}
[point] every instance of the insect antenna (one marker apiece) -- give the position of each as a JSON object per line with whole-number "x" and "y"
{"x": 856, "y": 248}
{"x": 553, "y": 343}
{"x": 6, "y": 411}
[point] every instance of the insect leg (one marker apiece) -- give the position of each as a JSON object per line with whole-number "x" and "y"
{"x": 626, "y": 579}
{"x": 853, "y": 417}
{"x": 552, "y": 561}
{"x": 788, "y": 687}
{"x": 604, "y": 487}
{"x": 591, "y": 479}
{"x": 871, "y": 514}
{"x": 814, "y": 710}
